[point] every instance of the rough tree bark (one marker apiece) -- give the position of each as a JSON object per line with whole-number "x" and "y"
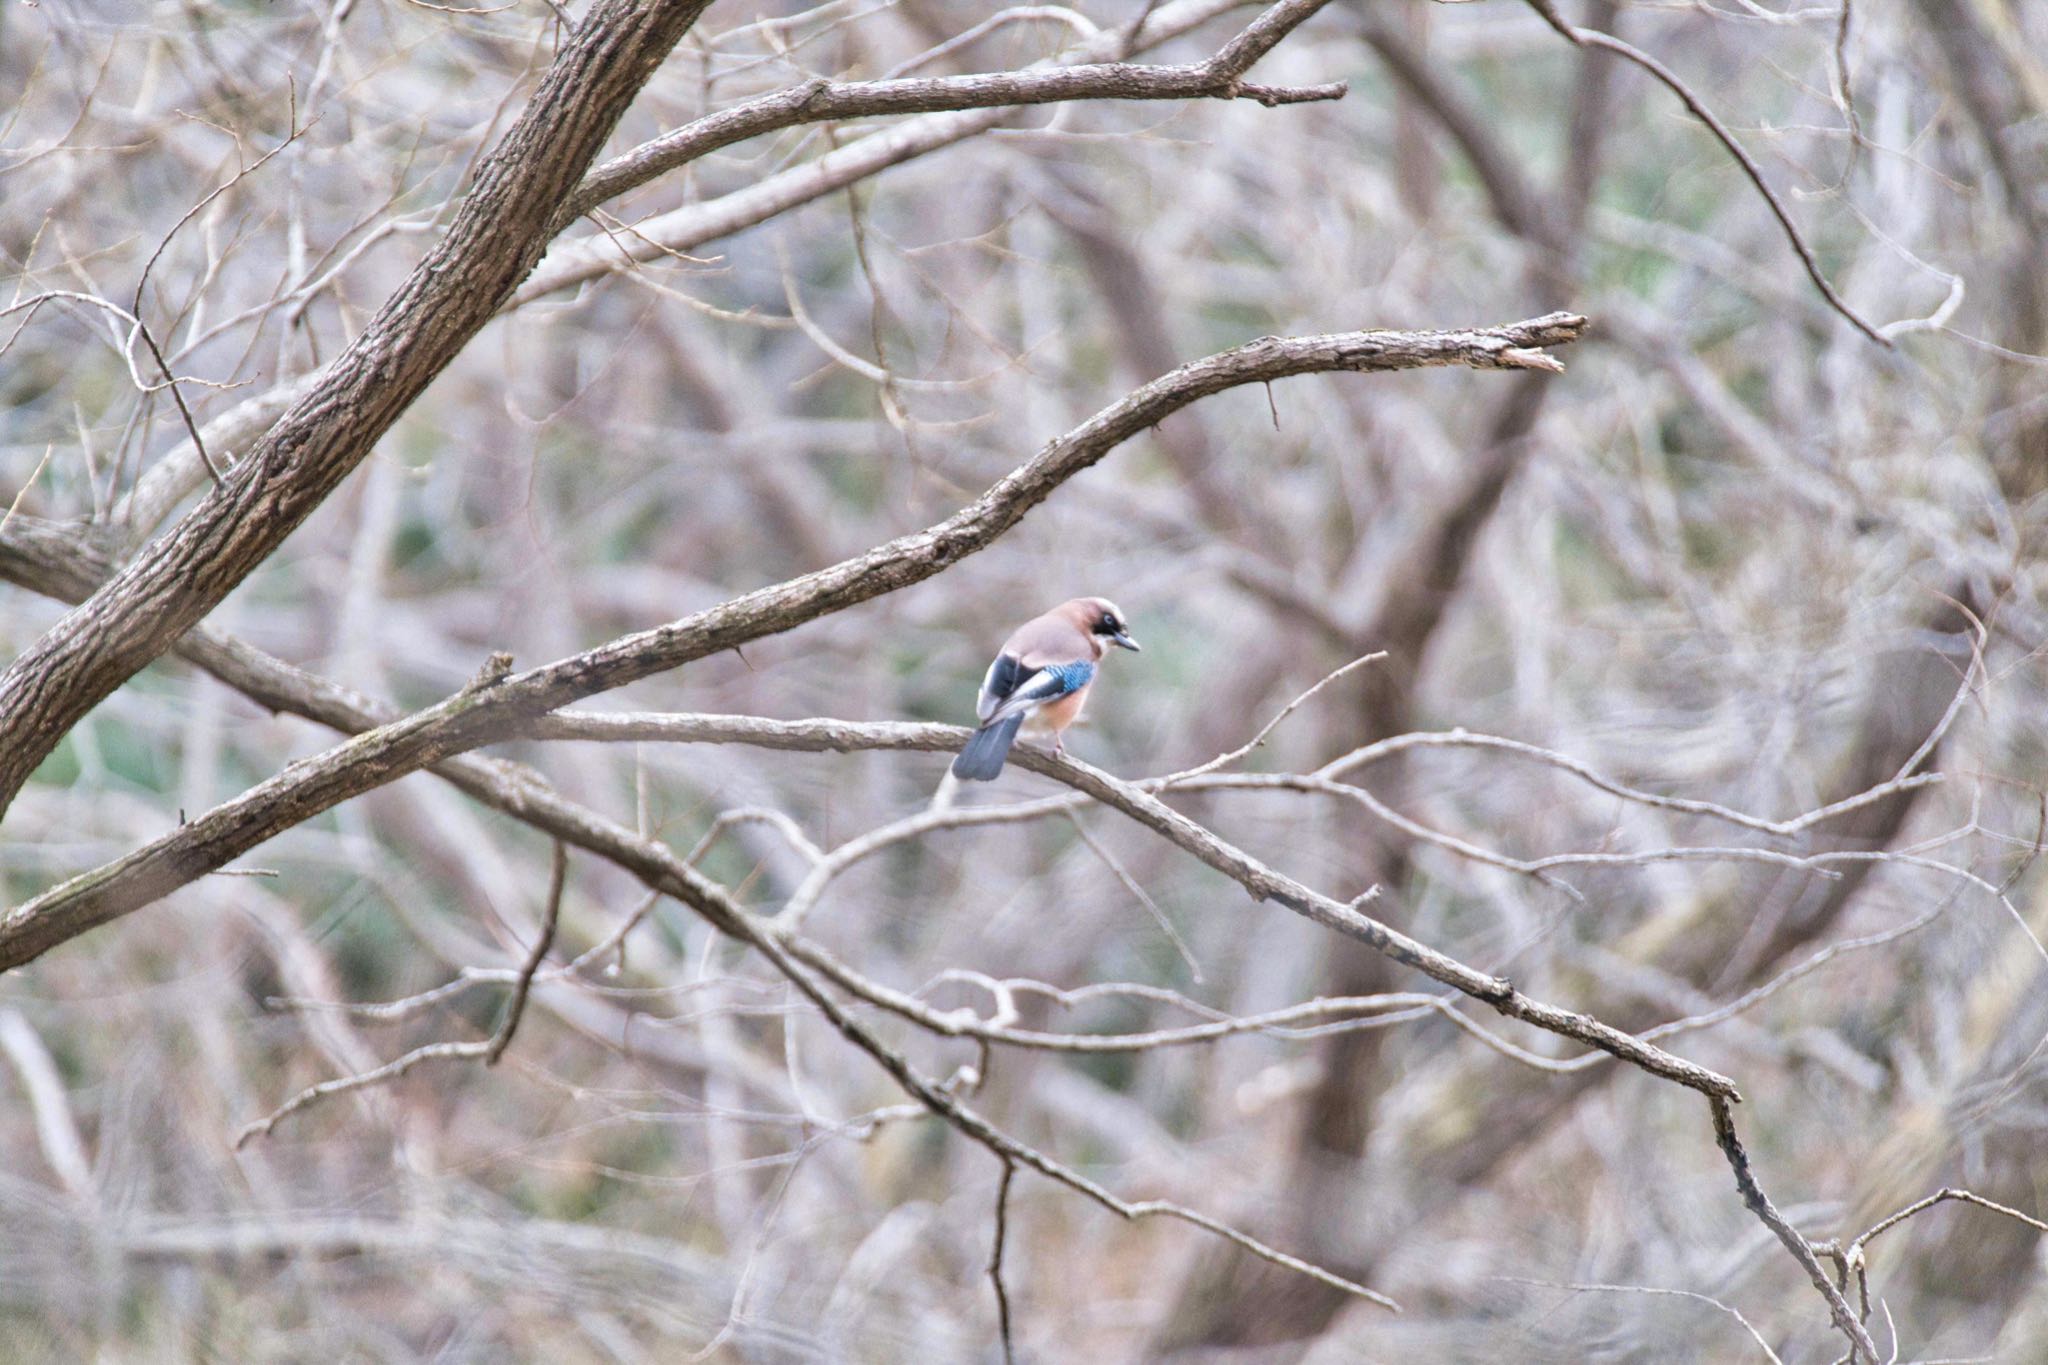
{"x": 495, "y": 239}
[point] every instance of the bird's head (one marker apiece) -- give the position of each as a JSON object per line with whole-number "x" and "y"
{"x": 1101, "y": 618}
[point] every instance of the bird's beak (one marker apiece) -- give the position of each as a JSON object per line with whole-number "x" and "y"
{"x": 1123, "y": 640}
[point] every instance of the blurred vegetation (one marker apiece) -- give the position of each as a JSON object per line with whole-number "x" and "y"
{"x": 1738, "y": 553}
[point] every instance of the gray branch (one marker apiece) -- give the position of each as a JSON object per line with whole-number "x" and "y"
{"x": 493, "y": 707}
{"x": 492, "y": 243}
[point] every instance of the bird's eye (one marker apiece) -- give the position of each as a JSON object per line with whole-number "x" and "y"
{"x": 1107, "y": 625}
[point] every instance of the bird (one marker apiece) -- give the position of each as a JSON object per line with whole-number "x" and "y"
{"x": 1041, "y": 677}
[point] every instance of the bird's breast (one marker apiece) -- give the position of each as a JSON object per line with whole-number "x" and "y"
{"x": 1057, "y": 715}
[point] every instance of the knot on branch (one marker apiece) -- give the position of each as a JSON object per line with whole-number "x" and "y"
{"x": 494, "y": 670}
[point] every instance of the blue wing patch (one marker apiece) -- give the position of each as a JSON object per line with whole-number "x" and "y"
{"x": 1072, "y": 677}
{"x": 1043, "y": 685}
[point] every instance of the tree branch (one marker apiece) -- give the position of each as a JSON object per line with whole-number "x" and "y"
{"x": 823, "y": 101}
{"x": 493, "y": 241}
{"x": 493, "y": 708}
{"x": 692, "y": 225}
{"x": 1607, "y": 42}
{"x": 523, "y": 983}
{"x": 1862, "y": 1350}
{"x": 995, "y": 1260}
{"x": 174, "y": 477}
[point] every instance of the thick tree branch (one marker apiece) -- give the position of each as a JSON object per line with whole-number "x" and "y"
{"x": 179, "y": 473}
{"x": 493, "y": 241}
{"x": 493, "y": 707}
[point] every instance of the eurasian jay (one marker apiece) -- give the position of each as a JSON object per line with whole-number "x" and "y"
{"x": 1040, "y": 678}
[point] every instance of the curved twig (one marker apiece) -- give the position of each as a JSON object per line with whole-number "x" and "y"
{"x": 1607, "y": 42}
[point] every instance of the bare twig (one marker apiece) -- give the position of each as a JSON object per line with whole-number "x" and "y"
{"x": 177, "y": 394}
{"x": 822, "y": 101}
{"x": 1140, "y": 894}
{"x": 1760, "y": 993}
{"x": 1980, "y": 636}
{"x": 489, "y": 1050}
{"x": 542, "y": 941}
{"x": 1758, "y": 1337}
{"x": 1226, "y": 759}
{"x": 142, "y": 284}
{"x": 1845, "y": 92}
{"x": 995, "y": 1259}
{"x": 1852, "y": 1262}
{"x": 1786, "y": 828}
{"x": 1856, "y": 1248}
{"x": 15, "y": 504}
{"x": 1607, "y": 42}
{"x": 341, "y": 1085}
{"x": 1862, "y": 1350}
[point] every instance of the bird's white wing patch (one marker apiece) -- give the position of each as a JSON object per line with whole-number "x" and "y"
{"x": 996, "y": 685}
{"x": 986, "y": 701}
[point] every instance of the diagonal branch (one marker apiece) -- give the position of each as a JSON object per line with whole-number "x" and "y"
{"x": 496, "y": 705}
{"x": 492, "y": 243}
{"x": 179, "y": 473}
{"x": 1862, "y": 1350}
{"x": 822, "y": 101}
{"x": 953, "y": 110}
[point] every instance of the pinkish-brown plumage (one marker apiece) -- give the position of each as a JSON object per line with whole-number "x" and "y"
{"x": 1041, "y": 679}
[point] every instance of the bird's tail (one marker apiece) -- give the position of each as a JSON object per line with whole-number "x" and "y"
{"x": 983, "y": 756}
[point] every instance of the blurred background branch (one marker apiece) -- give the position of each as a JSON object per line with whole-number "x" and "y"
{"x": 1709, "y": 708}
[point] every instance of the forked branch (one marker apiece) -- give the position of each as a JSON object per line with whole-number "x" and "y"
{"x": 494, "y": 709}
